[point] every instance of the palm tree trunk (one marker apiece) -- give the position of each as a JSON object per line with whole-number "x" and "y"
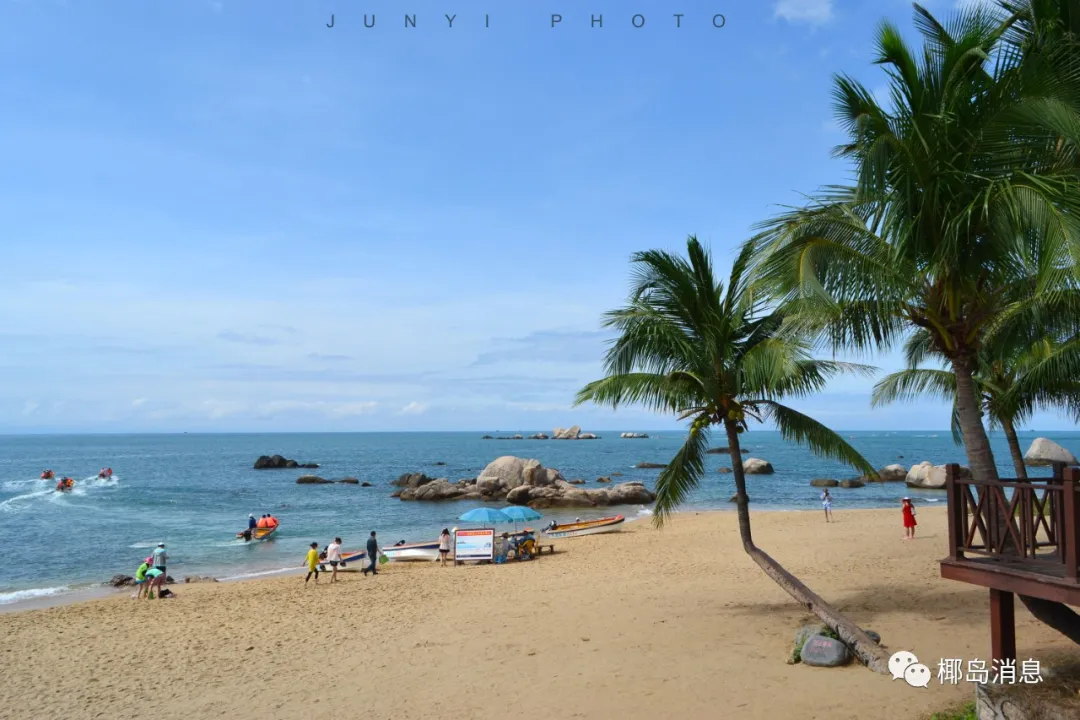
{"x": 969, "y": 411}
{"x": 869, "y": 652}
{"x": 981, "y": 461}
{"x": 1014, "y": 449}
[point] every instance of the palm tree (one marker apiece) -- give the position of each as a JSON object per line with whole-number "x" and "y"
{"x": 964, "y": 215}
{"x": 714, "y": 356}
{"x": 1007, "y": 387}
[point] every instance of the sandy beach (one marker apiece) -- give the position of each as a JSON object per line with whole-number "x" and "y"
{"x": 640, "y": 624}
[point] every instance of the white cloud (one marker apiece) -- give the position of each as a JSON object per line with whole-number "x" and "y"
{"x": 413, "y": 408}
{"x": 316, "y": 407}
{"x": 815, "y": 12}
{"x": 138, "y": 402}
{"x": 30, "y": 407}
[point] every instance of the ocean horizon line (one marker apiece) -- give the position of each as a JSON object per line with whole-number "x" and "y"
{"x": 220, "y": 433}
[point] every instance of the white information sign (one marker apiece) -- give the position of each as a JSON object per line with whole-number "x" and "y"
{"x": 474, "y": 545}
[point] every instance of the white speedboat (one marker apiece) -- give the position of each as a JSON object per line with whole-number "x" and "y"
{"x": 412, "y": 551}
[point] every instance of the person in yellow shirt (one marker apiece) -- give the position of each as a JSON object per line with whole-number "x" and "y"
{"x": 312, "y": 562}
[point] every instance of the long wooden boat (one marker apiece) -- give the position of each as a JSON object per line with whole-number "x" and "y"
{"x": 586, "y": 527}
{"x": 260, "y": 533}
{"x": 413, "y": 551}
{"x": 351, "y": 561}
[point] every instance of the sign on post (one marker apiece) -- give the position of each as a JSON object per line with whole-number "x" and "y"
{"x": 474, "y": 545}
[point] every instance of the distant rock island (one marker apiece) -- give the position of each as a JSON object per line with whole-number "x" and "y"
{"x": 277, "y": 462}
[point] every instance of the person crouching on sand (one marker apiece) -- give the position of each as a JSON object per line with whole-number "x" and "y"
{"x": 140, "y": 578}
{"x": 156, "y": 579}
{"x": 312, "y": 562}
{"x": 909, "y": 519}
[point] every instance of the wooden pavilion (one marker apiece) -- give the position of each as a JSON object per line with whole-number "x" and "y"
{"x": 1014, "y": 537}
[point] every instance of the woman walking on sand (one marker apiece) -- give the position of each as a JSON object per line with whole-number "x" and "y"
{"x": 909, "y": 519}
{"x": 826, "y": 503}
{"x": 444, "y": 545}
{"x": 333, "y": 556}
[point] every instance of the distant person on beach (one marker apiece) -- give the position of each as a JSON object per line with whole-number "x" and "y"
{"x": 826, "y": 502}
{"x": 160, "y": 557}
{"x": 252, "y": 522}
{"x": 444, "y": 545}
{"x": 312, "y": 562}
{"x": 373, "y": 554}
{"x": 140, "y": 577}
{"x": 333, "y": 556}
{"x": 909, "y": 518}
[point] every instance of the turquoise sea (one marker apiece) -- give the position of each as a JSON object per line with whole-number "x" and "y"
{"x": 195, "y": 491}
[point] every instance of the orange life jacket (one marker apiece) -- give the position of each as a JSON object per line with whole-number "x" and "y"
{"x": 262, "y": 523}
{"x": 271, "y": 522}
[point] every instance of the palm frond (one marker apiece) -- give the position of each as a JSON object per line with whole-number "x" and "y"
{"x": 802, "y": 429}
{"x": 683, "y": 473}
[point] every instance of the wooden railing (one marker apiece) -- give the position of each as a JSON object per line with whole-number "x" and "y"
{"x": 1028, "y": 525}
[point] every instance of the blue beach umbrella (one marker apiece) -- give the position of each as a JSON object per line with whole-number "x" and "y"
{"x": 485, "y": 515}
{"x": 521, "y": 513}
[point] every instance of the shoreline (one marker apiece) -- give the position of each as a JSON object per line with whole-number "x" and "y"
{"x": 85, "y": 592}
{"x": 636, "y": 624}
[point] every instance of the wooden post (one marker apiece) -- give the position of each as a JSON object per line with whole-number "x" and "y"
{"x": 955, "y": 499}
{"x": 1002, "y": 626}
{"x": 1070, "y": 507}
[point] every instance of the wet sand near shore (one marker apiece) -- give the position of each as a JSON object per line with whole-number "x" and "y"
{"x": 638, "y": 624}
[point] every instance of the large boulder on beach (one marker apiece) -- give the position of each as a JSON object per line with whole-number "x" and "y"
{"x": 1047, "y": 452}
{"x": 821, "y": 651}
{"x": 120, "y": 581}
{"x": 757, "y": 466}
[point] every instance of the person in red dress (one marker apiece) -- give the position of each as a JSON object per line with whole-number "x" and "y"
{"x": 909, "y": 519}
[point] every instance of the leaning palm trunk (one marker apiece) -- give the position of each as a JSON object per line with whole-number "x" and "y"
{"x": 869, "y": 652}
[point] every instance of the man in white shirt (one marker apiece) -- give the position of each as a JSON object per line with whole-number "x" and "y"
{"x": 333, "y": 556}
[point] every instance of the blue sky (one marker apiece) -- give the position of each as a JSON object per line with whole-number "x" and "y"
{"x": 226, "y": 216}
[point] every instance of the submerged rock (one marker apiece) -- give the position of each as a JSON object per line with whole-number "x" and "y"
{"x": 724, "y": 469}
{"x": 650, "y": 466}
{"x": 349, "y": 481}
{"x": 824, "y": 482}
{"x": 719, "y": 451}
{"x": 312, "y": 480}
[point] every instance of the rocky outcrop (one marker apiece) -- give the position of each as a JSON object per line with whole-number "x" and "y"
{"x": 757, "y": 466}
{"x": 277, "y": 462}
{"x": 312, "y": 480}
{"x": 539, "y": 436}
{"x": 927, "y": 476}
{"x": 1045, "y": 452}
{"x": 650, "y": 466}
{"x": 603, "y": 479}
{"x": 588, "y": 436}
{"x": 120, "y": 581}
{"x": 724, "y": 469}
{"x": 570, "y": 433}
{"x": 824, "y": 482}
{"x": 718, "y": 451}
{"x": 563, "y": 494}
{"x": 349, "y": 481}
{"x": 487, "y": 437}
{"x": 853, "y": 483}
{"x": 576, "y": 481}
{"x": 365, "y": 484}
{"x": 635, "y": 436}
{"x": 521, "y": 481}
